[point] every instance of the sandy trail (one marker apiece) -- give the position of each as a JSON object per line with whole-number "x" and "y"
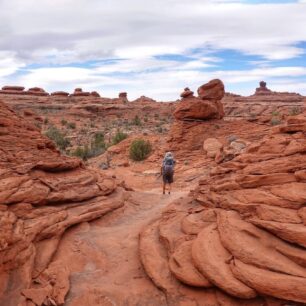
{"x": 103, "y": 255}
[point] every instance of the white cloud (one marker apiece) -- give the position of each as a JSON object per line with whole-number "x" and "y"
{"x": 135, "y": 31}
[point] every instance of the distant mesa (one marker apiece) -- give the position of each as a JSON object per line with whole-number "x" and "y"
{"x": 187, "y": 93}
{"x": 37, "y": 91}
{"x": 15, "y": 88}
{"x": 262, "y": 89}
{"x": 60, "y": 93}
{"x": 78, "y": 92}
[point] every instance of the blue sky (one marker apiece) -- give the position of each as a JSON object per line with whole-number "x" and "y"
{"x": 153, "y": 48}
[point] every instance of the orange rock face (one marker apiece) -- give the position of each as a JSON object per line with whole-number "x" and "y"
{"x": 207, "y": 106}
{"x": 242, "y": 230}
{"x": 42, "y": 194}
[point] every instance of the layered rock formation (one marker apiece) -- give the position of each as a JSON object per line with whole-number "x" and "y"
{"x": 241, "y": 234}
{"x": 207, "y": 106}
{"x": 41, "y": 195}
{"x": 263, "y": 104}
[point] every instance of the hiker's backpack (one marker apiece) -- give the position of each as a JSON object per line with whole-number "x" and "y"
{"x": 168, "y": 166}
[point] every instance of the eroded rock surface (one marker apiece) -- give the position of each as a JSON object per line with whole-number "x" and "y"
{"x": 242, "y": 230}
{"x": 41, "y": 195}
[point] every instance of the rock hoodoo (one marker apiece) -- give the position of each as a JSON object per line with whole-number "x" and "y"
{"x": 207, "y": 106}
{"x": 41, "y": 194}
{"x": 78, "y": 92}
{"x": 262, "y": 89}
{"x": 187, "y": 93}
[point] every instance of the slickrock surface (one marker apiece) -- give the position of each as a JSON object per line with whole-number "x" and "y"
{"x": 42, "y": 194}
{"x": 241, "y": 234}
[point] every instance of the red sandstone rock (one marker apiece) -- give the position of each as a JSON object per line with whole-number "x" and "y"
{"x": 187, "y": 93}
{"x": 262, "y": 89}
{"x": 122, "y": 95}
{"x": 60, "y": 93}
{"x": 95, "y": 94}
{"x": 43, "y": 194}
{"x": 258, "y": 240}
{"x": 13, "y": 88}
{"x": 207, "y": 106}
{"x": 213, "y": 90}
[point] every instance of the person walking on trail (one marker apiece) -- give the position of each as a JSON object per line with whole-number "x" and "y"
{"x": 167, "y": 171}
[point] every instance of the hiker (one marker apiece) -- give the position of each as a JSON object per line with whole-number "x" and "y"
{"x": 167, "y": 171}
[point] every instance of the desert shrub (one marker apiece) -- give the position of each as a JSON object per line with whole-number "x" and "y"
{"x": 97, "y": 146}
{"x": 275, "y": 121}
{"x": 160, "y": 129}
{"x": 140, "y": 149}
{"x": 295, "y": 111}
{"x": 46, "y": 120}
{"x": 63, "y": 122}
{"x": 136, "y": 121}
{"x": 275, "y": 113}
{"x": 71, "y": 125}
{"x": 119, "y": 136}
{"x": 58, "y": 137}
{"x": 81, "y": 152}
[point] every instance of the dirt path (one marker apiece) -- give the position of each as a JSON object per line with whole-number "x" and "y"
{"x": 103, "y": 255}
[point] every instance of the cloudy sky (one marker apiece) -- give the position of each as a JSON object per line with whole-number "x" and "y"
{"x": 153, "y": 47}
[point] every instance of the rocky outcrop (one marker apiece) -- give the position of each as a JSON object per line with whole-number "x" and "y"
{"x": 264, "y": 105}
{"x": 60, "y": 93}
{"x": 37, "y": 91}
{"x": 262, "y": 89}
{"x": 41, "y": 194}
{"x": 207, "y": 106}
{"x": 187, "y": 93}
{"x": 78, "y": 92}
{"x": 242, "y": 231}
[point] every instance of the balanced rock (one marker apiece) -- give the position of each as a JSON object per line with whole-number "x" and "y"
{"x": 207, "y": 106}
{"x": 213, "y": 90}
{"x": 262, "y": 89}
{"x": 78, "y": 92}
{"x": 187, "y": 93}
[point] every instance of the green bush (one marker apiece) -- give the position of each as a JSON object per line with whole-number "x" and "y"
{"x": 46, "y": 121}
{"x": 97, "y": 147}
{"x": 140, "y": 149}
{"x": 81, "y": 152}
{"x": 136, "y": 121}
{"x": 63, "y": 122}
{"x": 58, "y": 137}
{"x": 119, "y": 137}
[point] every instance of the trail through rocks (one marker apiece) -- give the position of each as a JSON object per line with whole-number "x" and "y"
{"x": 103, "y": 255}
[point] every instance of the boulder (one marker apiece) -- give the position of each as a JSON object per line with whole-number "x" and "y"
{"x": 212, "y": 147}
{"x": 213, "y": 90}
